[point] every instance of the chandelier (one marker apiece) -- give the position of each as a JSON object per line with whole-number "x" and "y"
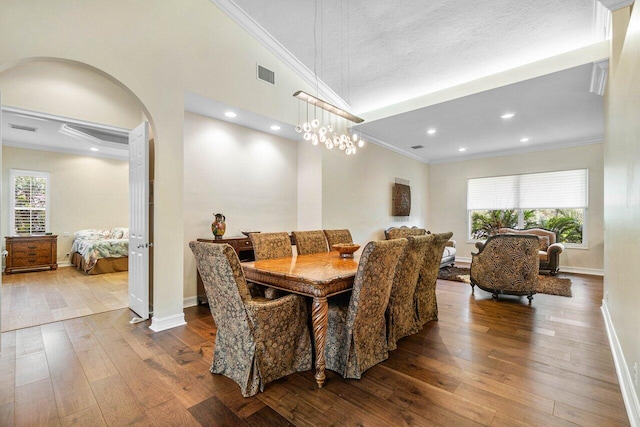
{"x": 332, "y": 129}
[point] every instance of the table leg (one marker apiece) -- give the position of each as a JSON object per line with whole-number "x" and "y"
{"x": 320, "y": 320}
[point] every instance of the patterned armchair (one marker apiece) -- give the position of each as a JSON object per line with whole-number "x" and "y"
{"x": 425, "y": 296}
{"x": 507, "y": 264}
{"x": 257, "y": 341}
{"x": 550, "y": 249}
{"x": 310, "y": 242}
{"x": 271, "y": 245}
{"x": 338, "y": 236}
{"x": 357, "y": 337}
{"x": 401, "y": 313}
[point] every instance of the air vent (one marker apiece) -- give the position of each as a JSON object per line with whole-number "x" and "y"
{"x": 19, "y": 127}
{"x": 266, "y": 75}
{"x": 417, "y": 147}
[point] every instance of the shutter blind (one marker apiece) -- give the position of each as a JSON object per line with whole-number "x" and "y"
{"x": 548, "y": 190}
{"x": 29, "y": 201}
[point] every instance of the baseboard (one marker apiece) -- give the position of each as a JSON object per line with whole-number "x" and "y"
{"x": 582, "y": 270}
{"x": 163, "y": 323}
{"x": 624, "y": 376}
{"x": 64, "y": 264}
{"x": 189, "y": 302}
{"x": 563, "y": 269}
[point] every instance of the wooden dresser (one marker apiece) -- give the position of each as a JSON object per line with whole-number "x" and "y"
{"x": 31, "y": 253}
{"x": 242, "y": 246}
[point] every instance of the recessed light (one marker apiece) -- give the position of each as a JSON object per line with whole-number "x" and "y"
{"x": 431, "y": 131}
{"x": 507, "y": 115}
{"x": 93, "y": 149}
{"x": 230, "y": 114}
{"x": 524, "y": 140}
{"x": 275, "y": 127}
{"x": 461, "y": 149}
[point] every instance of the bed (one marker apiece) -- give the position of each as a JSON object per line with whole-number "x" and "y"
{"x": 101, "y": 251}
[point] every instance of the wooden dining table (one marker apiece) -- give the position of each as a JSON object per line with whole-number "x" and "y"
{"x": 318, "y": 276}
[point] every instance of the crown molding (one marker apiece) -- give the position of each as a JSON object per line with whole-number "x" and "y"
{"x": 371, "y": 139}
{"x": 248, "y": 24}
{"x": 599, "y": 77}
{"x": 614, "y": 5}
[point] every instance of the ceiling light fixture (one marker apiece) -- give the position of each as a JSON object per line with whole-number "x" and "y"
{"x": 507, "y": 115}
{"x": 93, "y": 149}
{"x": 275, "y": 127}
{"x": 461, "y": 149}
{"x": 431, "y": 131}
{"x": 230, "y": 114}
{"x": 524, "y": 140}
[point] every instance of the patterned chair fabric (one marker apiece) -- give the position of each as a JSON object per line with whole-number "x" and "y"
{"x": 338, "y": 236}
{"x": 310, "y": 242}
{"x": 426, "y": 305}
{"x": 357, "y": 337}
{"x": 257, "y": 341}
{"x": 271, "y": 245}
{"x": 401, "y": 314}
{"x": 507, "y": 264}
{"x": 550, "y": 249}
{"x": 404, "y": 231}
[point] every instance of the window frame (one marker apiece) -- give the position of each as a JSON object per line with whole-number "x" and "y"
{"x": 585, "y": 219}
{"x": 13, "y": 174}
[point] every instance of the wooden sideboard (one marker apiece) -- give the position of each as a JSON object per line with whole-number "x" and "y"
{"x": 31, "y": 253}
{"x": 242, "y": 246}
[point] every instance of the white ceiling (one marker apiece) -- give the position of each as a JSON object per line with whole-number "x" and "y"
{"x": 376, "y": 55}
{"x": 108, "y": 141}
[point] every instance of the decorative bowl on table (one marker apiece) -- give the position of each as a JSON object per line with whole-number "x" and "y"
{"x": 346, "y": 250}
{"x": 246, "y": 233}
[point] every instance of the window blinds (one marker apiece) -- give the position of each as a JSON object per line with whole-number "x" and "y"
{"x": 548, "y": 190}
{"x": 29, "y": 201}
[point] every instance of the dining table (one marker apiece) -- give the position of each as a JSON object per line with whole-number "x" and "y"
{"x": 319, "y": 276}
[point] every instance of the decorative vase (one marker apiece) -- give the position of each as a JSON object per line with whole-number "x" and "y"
{"x": 218, "y": 226}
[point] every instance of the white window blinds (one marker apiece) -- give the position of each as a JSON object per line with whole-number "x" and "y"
{"x": 548, "y": 190}
{"x": 29, "y": 201}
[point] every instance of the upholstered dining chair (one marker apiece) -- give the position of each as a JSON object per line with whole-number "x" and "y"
{"x": 271, "y": 245}
{"x": 338, "y": 236}
{"x": 507, "y": 264}
{"x": 401, "y": 314}
{"x": 257, "y": 340}
{"x": 357, "y": 337}
{"x": 426, "y": 305}
{"x": 310, "y": 242}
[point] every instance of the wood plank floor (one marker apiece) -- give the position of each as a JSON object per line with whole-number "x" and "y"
{"x": 39, "y": 297}
{"x": 484, "y": 363}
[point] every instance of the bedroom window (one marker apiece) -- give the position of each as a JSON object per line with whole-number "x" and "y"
{"x": 29, "y": 209}
{"x": 556, "y": 201}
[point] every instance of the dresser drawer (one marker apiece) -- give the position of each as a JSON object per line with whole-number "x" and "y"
{"x": 242, "y": 245}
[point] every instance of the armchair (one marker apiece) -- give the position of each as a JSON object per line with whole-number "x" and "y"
{"x": 550, "y": 249}
{"x": 507, "y": 264}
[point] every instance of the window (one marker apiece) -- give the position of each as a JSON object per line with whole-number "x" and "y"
{"x": 29, "y": 210}
{"x": 556, "y": 201}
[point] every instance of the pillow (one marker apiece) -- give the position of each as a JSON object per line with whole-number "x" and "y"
{"x": 544, "y": 243}
{"x": 119, "y": 233}
{"x": 91, "y": 234}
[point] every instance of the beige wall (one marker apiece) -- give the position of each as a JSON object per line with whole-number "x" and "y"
{"x": 249, "y": 176}
{"x": 356, "y": 191}
{"x": 448, "y": 188}
{"x": 84, "y": 192}
{"x": 622, "y": 200}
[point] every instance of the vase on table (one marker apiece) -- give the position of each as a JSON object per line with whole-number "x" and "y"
{"x": 218, "y": 226}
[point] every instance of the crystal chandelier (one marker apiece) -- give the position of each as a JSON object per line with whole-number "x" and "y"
{"x": 334, "y": 131}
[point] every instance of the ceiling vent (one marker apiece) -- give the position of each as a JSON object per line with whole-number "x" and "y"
{"x": 266, "y": 75}
{"x": 20, "y": 127}
{"x": 417, "y": 147}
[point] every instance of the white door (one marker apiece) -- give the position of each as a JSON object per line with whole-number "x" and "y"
{"x": 1, "y": 217}
{"x": 139, "y": 221}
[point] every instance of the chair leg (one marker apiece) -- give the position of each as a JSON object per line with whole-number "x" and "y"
{"x": 530, "y": 298}
{"x": 494, "y": 295}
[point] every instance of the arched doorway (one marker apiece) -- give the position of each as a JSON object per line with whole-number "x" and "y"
{"x": 71, "y": 89}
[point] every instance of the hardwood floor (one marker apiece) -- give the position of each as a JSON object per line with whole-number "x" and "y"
{"x": 39, "y": 297}
{"x": 483, "y": 363}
